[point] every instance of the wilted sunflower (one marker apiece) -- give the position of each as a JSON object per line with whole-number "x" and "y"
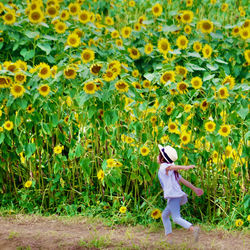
{"x": 8, "y": 125}
{"x": 185, "y": 137}
{"x": 156, "y": 214}
{"x": 74, "y": 9}
{"x": 206, "y": 26}
{"x": 245, "y": 33}
{"x": 224, "y": 130}
{"x": 44, "y": 90}
{"x": 100, "y": 175}
{"x": 168, "y": 76}
{"x": 163, "y": 46}
{"x": 148, "y": 48}
{"x": 207, "y": 51}
{"x": 197, "y": 46}
{"x": 210, "y": 126}
{"x": 90, "y": 88}
{"x": 87, "y": 55}
{"x": 44, "y": 71}
{"x": 204, "y": 105}
{"x": 84, "y": 16}
{"x": 247, "y": 55}
{"x": 36, "y": 16}
{"x": 182, "y": 42}
{"x": 126, "y": 31}
{"x": 73, "y": 40}
{"x": 187, "y": 16}
{"x": 134, "y": 53}
{"x": 182, "y": 87}
{"x": 223, "y": 93}
{"x": 196, "y": 82}
{"x": 60, "y": 27}
{"x": 144, "y": 151}
{"x": 229, "y": 79}
{"x": 180, "y": 70}
{"x": 64, "y": 16}
{"x": 52, "y": 11}
{"x": 157, "y": 10}
{"x": 17, "y": 90}
{"x": 20, "y": 77}
{"x": 121, "y": 86}
{"x": 173, "y": 128}
{"x": 70, "y": 73}
{"x": 9, "y": 17}
{"x": 236, "y": 31}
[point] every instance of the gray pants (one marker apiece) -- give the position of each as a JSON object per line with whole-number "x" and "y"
{"x": 173, "y": 208}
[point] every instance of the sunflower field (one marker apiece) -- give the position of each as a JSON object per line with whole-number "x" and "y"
{"x": 89, "y": 88}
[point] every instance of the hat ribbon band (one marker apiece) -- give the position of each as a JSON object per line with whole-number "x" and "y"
{"x": 167, "y": 157}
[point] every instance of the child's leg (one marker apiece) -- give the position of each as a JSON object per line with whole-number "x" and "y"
{"x": 166, "y": 220}
{"x": 175, "y": 211}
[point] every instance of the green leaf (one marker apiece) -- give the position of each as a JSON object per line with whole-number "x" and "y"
{"x": 195, "y": 67}
{"x": 212, "y": 67}
{"x": 243, "y": 112}
{"x": 84, "y": 163}
{"x": 27, "y": 54}
{"x": 54, "y": 119}
{"x": 149, "y": 76}
{"x": 91, "y": 111}
{"x": 170, "y": 28}
{"x": 1, "y": 137}
{"x": 79, "y": 150}
{"x": 31, "y": 34}
{"x": 208, "y": 77}
{"x": 220, "y": 61}
{"x": 45, "y": 47}
{"x": 30, "y": 149}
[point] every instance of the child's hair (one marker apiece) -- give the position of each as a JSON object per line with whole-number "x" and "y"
{"x": 163, "y": 160}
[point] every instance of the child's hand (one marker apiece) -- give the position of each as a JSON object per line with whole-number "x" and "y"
{"x": 190, "y": 166}
{"x": 198, "y": 191}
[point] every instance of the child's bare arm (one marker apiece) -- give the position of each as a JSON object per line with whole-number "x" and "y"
{"x": 198, "y": 191}
{"x": 180, "y": 167}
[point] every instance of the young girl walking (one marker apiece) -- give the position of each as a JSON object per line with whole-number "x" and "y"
{"x": 170, "y": 179}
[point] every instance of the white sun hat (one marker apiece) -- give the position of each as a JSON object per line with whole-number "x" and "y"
{"x": 169, "y": 153}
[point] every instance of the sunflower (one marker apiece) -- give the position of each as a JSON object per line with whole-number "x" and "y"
{"x": 100, "y": 175}
{"x": 87, "y": 55}
{"x": 134, "y": 53}
{"x": 157, "y": 10}
{"x": 70, "y": 73}
{"x": 17, "y": 90}
{"x": 196, "y": 82}
{"x": 141, "y": 19}
{"x": 163, "y": 46}
{"x": 236, "y": 31}
{"x": 119, "y": 42}
{"x": 187, "y": 108}
{"x": 156, "y": 214}
{"x": 109, "y": 75}
{"x": 21, "y": 65}
{"x": 173, "y": 128}
{"x": 121, "y": 86}
{"x": 90, "y": 87}
{"x": 12, "y": 67}
{"x": 95, "y": 68}
{"x": 168, "y": 76}
{"x": 137, "y": 27}
{"x": 170, "y": 108}
{"x": 36, "y": 16}
{"x": 109, "y": 20}
{"x": 60, "y": 27}
{"x": 69, "y": 101}
{"x": 126, "y": 31}
{"x": 20, "y": 77}
{"x": 182, "y": 87}
{"x": 115, "y": 34}
{"x": 182, "y": 42}
{"x": 189, "y": 3}
{"x": 58, "y": 149}
{"x": 44, "y": 71}
{"x": 224, "y": 130}
{"x": 99, "y": 84}
{"x": 228, "y": 151}
{"x": 229, "y": 79}
{"x": 8, "y": 125}
{"x": 123, "y": 210}
{"x": 197, "y": 46}
{"x": 9, "y": 17}
{"x": 4, "y": 82}
{"x": 185, "y": 137}
{"x": 148, "y": 48}
{"x": 74, "y": 9}
{"x": 207, "y": 51}
{"x": 64, "y": 16}
{"x": 135, "y": 73}
{"x": 224, "y": 7}
{"x": 245, "y": 33}
{"x": 210, "y": 126}
{"x": 187, "y": 16}
{"x": 30, "y": 109}
{"x": 246, "y": 24}
{"x": 44, "y": 90}
{"x": 28, "y": 184}
{"x": 144, "y": 151}
{"x": 73, "y": 40}
{"x": 180, "y": 70}
{"x": 206, "y": 26}
{"x": 146, "y": 84}
{"x": 52, "y": 11}
{"x": 247, "y": 55}
{"x": 239, "y": 223}
{"x": 129, "y": 140}
{"x": 223, "y": 93}
{"x": 187, "y": 29}
{"x": 204, "y": 105}
{"x": 84, "y": 16}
